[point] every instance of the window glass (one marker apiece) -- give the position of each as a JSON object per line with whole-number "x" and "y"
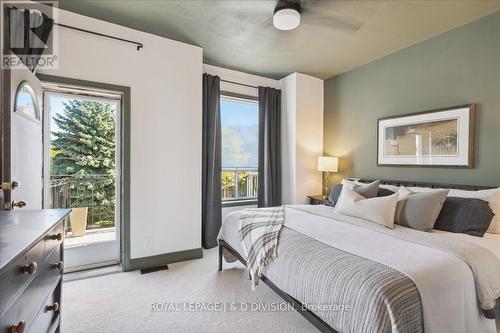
{"x": 26, "y": 102}
{"x": 240, "y": 130}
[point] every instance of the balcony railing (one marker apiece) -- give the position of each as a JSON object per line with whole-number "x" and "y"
{"x": 239, "y": 184}
{"x": 94, "y": 192}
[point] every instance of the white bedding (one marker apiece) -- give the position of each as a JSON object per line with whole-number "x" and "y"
{"x": 489, "y": 241}
{"x": 445, "y": 282}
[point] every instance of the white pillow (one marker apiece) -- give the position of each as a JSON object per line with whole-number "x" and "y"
{"x": 403, "y": 193}
{"x": 421, "y": 189}
{"x": 395, "y": 188}
{"x": 392, "y": 188}
{"x": 380, "y": 210}
{"x": 492, "y": 196}
{"x": 351, "y": 184}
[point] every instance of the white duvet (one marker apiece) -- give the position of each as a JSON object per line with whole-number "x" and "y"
{"x": 445, "y": 283}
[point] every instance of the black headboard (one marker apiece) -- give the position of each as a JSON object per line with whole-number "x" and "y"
{"x": 431, "y": 185}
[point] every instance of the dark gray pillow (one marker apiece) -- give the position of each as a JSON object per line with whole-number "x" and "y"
{"x": 420, "y": 211}
{"x": 368, "y": 191}
{"x": 383, "y": 192}
{"x": 465, "y": 215}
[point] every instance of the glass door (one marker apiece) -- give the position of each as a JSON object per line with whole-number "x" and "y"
{"x": 83, "y": 172}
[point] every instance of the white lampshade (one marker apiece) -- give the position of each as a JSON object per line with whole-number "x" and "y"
{"x": 286, "y": 19}
{"x": 328, "y": 163}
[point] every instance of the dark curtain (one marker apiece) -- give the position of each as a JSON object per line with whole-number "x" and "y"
{"x": 269, "y": 147}
{"x": 211, "y": 178}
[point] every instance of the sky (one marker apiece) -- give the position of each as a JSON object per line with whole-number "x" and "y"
{"x": 239, "y": 133}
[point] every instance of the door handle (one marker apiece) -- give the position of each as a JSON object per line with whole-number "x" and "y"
{"x": 19, "y": 204}
{"x": 10, "y": 186}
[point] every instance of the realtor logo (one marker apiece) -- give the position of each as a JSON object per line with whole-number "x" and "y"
{"x": 29, "y": 34}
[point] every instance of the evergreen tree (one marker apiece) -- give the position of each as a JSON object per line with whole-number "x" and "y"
{"x": 84, "y": 150}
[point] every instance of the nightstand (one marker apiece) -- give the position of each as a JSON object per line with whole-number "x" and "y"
{"x": 316, "y": 199}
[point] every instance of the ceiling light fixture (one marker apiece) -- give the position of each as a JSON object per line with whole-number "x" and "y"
{"x": 287, "y": 15}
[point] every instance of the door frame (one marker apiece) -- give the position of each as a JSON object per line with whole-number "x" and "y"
{"x": 5, "y": 136}
{"x": 124, "y": 145}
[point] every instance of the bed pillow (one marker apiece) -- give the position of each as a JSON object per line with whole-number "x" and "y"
{"x": 334, "y": 195}
{"x": 465, "y": 215}
{"x": 367, "y": 190}
{"x": 491, "y": 196}
{"x": 419, "y": 211}
{"x": 392, "y": 188}
{"x": 378, "y": 210}
{"x": 383, "y": 192}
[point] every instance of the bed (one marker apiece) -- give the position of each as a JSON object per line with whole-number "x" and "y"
{"x": 345, "y": 275}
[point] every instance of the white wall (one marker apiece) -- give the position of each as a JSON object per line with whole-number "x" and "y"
{"x": 302, "y": 136}
{"x": 240, "y": 77}
{"x": 309, "y": 136}
{"x": 288, "y": 134}
{"x": 166, "y": 125}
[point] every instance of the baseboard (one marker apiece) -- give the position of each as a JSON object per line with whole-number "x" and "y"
{"x": 162, "y": 259}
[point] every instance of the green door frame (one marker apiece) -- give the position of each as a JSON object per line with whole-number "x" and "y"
{"x": 125, "y": 155}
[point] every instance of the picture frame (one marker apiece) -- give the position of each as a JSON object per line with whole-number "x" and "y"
{"x": 434, "y": 138}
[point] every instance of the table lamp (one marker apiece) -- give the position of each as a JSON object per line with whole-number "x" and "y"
{"x": 327, "y": 164}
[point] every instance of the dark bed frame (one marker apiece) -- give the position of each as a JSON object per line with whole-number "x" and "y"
{"x": 430, "y": 185}
{"x": 310, "y": 316}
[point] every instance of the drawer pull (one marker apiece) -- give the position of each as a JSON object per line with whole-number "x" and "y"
{"x": 19, "y": 328}
{"x": 54, "y": 307}
{"x": 58, "y": 236}
{"x": 31, "y": 268}
{"x": 59, "y": 265}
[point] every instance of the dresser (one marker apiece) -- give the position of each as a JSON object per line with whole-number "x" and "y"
{"x": 31, "y": 266}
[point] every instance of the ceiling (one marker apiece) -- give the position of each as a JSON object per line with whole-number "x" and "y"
{"x": 334, "y": 37}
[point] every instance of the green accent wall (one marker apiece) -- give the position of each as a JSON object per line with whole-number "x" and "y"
{"x": 458, "y": 67}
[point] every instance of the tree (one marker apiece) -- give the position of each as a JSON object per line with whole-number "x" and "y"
{"x": 84, "y": 150}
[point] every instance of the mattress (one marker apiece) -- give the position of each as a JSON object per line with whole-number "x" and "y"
{"x": 439, "y": 292}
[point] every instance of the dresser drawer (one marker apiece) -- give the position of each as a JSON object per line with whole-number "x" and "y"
{"x": 29, "y": 303}
{"x": 18, "y": 275}
{"x": 24, "y": 269}
{"x": 48, "y": 315}
{"x": 53, "y": 238}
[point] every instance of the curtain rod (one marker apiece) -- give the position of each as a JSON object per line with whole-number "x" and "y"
{"x": 139, "y": 45}
{"x": 240, "y": 84}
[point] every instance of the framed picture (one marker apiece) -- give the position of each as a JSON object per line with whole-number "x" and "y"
{"x": 436, "y": 138}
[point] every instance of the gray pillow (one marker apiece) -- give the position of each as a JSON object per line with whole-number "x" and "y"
{"x": 420, "y": 210}
{"x": 465, "y": 215}
{"x": 368, "y": 191}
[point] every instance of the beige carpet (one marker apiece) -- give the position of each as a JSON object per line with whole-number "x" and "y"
{"x": 122, "y": 302}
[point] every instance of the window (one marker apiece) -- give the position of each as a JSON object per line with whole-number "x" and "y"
{"x": 240, "y": 142}
{"x": 26, "y": 103}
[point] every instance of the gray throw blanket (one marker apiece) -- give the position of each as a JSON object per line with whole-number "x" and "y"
{"x": 259, "y": 230}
